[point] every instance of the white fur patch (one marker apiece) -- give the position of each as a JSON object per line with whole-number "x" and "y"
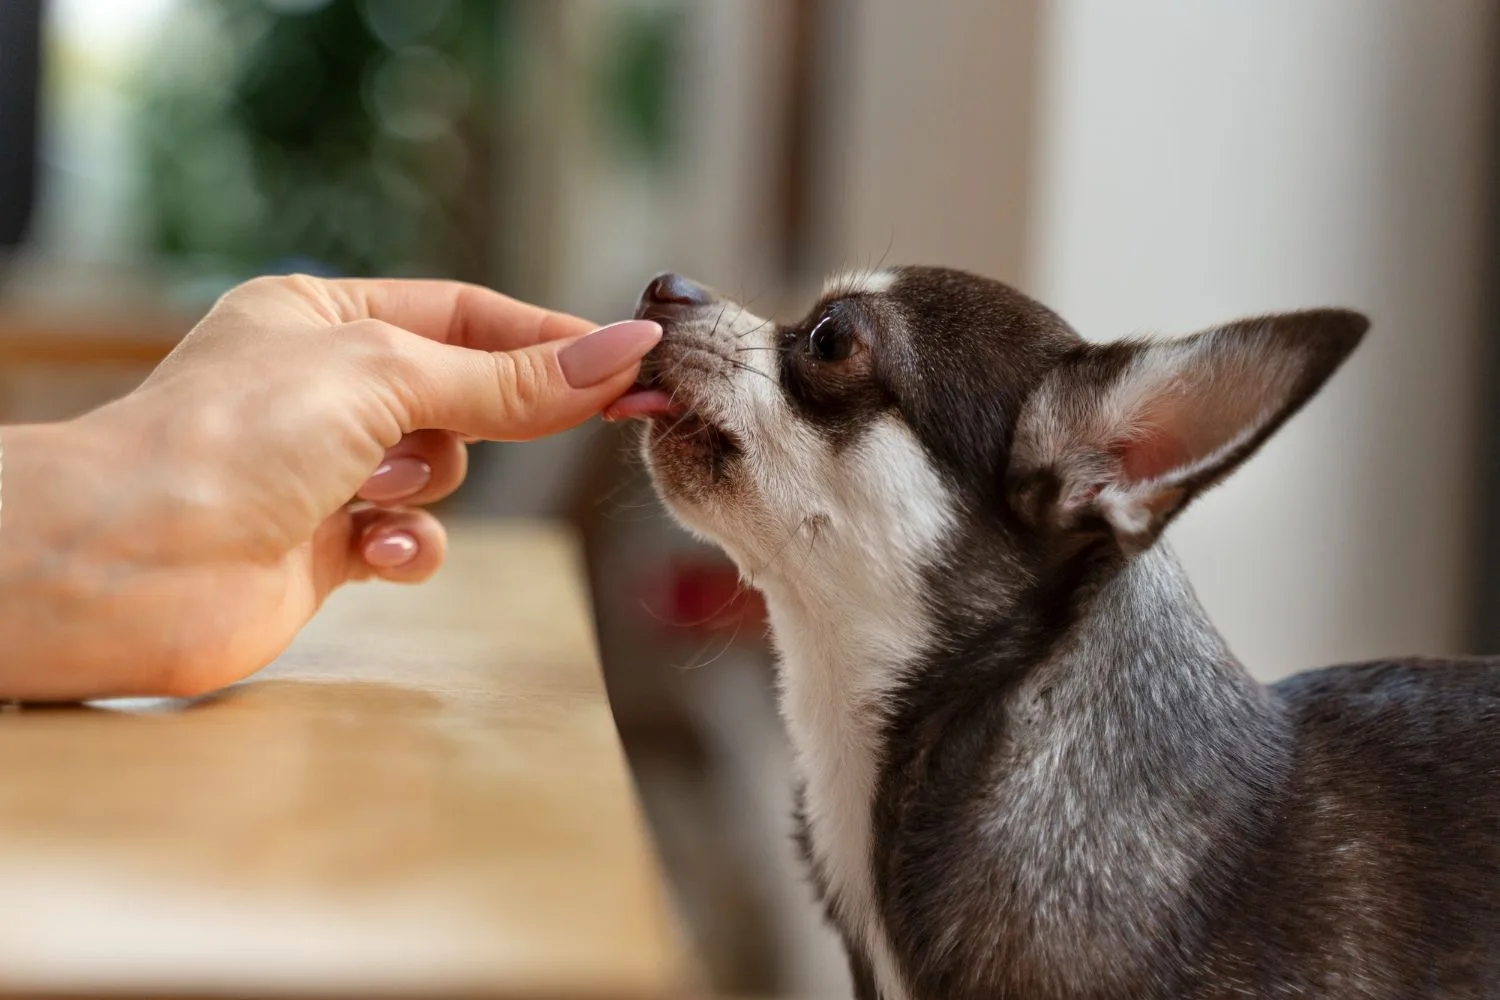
{"x": 847, "y": 620}
{"x": 868, "y": 282}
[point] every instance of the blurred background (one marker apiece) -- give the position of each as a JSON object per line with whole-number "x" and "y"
{"x": 1153, "y": 166}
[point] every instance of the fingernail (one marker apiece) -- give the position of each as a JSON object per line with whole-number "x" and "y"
{"x": 392, "y": 550}
{"x": 606, "y": 351}
{"x": 396, "y": 479}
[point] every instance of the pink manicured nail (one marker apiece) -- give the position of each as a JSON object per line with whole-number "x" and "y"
{"x": 607, "y": 350}
{"x": 396, "y": 479}
{"x": 392, "y": 550}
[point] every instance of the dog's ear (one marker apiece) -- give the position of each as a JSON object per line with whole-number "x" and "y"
{"x": 1121, "y": 437}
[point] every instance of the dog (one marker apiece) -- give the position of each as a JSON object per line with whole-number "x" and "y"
{"x": 1027, "y": 764}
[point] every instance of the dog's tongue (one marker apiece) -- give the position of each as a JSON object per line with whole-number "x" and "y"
{"x": 641, "y": 404}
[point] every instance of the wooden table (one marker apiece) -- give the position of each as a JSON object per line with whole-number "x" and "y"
{"x": 56, "y": 364}
{"x": 425, "y": 797}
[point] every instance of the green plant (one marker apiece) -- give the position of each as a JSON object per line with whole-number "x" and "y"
{"x": 343, "y": 136}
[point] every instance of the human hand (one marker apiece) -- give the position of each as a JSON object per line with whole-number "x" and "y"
{"x": 176, "y": 540}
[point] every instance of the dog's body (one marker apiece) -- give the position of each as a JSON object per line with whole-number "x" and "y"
{"x": 1028, "y": 765}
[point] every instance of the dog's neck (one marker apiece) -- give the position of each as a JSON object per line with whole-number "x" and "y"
{"x": 849, "y": 626}
{"x": 1130, "y": 741}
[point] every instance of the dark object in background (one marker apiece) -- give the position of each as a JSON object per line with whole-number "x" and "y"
{"x": 344, "y": 137}
{"x": 20, "y": 73}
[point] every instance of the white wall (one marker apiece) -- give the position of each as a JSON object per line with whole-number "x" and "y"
{"x": 932, "y": 123}
{"x": 1199, "y": 161}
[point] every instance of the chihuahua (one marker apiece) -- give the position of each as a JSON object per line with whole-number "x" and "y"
{"x": 1028, "y": 766}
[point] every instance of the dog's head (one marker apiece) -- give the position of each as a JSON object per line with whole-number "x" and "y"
{"x": 917, "y": 411}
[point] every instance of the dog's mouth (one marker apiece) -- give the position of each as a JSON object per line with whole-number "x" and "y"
{"x": 692, "y": 436}
{"x": 672, "y": 418}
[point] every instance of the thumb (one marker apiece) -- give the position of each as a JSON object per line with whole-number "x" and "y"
{"x": 533, "y": 391}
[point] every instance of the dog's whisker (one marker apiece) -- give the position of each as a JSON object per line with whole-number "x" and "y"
{"x": 753, "y": 330}
{"x": 752, "y": 370}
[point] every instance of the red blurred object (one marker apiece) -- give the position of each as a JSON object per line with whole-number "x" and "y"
{"x": 705, "y": 597}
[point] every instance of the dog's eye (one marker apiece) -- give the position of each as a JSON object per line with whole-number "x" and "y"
{"x": 829, "y": 340}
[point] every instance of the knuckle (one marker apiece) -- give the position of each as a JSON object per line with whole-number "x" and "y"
{"x": 521, "y": 380}
{"x": 247, "y": 299}
{"x": 384, "y": 356}
{"x": 261, "y": 284}
{"x": 376, "y": 337}
{"x": 241, "y": 298}
{"x": 216, "y": 426}
{"x": 270, "y": 284}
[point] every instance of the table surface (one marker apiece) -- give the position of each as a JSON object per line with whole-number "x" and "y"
{"x": 425, "y": 797}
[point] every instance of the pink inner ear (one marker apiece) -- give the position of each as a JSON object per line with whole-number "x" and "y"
{"x": 1151, "y": 452}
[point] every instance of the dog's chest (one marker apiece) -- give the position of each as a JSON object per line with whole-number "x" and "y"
{"x": 833, "y": 711}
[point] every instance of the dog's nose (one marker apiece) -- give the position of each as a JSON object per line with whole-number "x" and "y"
{"x": 674, "y": 290}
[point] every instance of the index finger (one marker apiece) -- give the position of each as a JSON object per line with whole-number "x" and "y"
{"x": 452, "y": 312}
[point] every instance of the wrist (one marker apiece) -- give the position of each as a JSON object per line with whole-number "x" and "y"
{"x": 50, "y": 484}
{"x": 36, "y": 527}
